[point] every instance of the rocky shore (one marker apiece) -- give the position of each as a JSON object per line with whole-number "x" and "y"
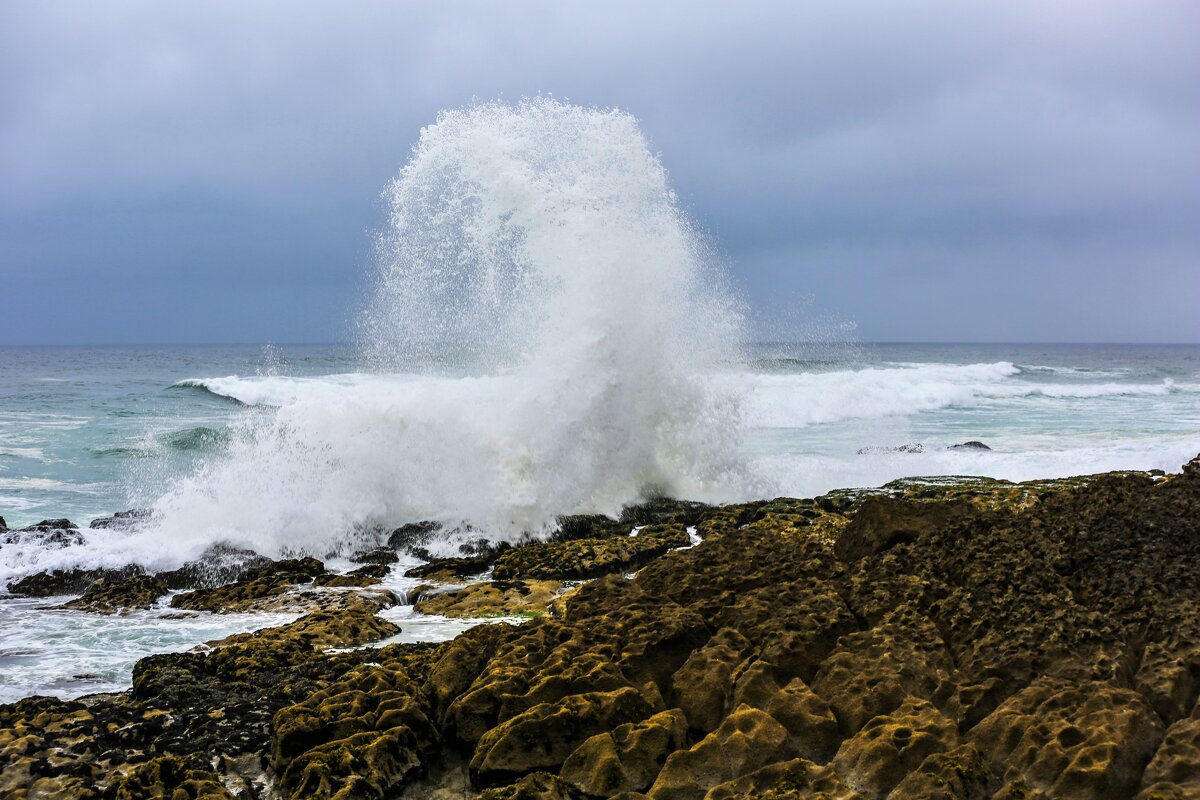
{"x": 964, "y": 639}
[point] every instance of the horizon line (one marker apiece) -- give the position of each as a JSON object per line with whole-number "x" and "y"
{"x": 48, "y": 345}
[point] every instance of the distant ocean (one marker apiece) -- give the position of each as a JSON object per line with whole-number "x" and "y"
{"x": 88, "y": 431}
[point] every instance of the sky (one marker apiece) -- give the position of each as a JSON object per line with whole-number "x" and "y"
{"x": 956, "y": 171}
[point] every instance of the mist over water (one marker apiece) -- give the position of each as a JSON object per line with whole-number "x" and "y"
{"x": 544, "y": 323}
{"x": 547, "y": 334}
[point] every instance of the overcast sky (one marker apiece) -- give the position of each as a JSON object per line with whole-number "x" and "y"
{"x": 958, "y": 171}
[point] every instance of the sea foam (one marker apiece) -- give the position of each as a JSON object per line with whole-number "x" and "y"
{"x": 541, "y": 245}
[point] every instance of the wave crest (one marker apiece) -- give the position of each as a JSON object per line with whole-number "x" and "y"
{"x": 542, "y": 244}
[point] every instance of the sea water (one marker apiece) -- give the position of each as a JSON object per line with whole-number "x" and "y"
{"x": 85, "y": 432}
{"x": 549, "y": 334}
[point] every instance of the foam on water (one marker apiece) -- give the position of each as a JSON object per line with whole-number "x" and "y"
{"x": 813, "y": 398}
{"x": 66, "y": 653}
{"x": 541, "y": 245}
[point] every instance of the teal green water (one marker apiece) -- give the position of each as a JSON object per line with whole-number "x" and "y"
{"x": 88, "y": 431}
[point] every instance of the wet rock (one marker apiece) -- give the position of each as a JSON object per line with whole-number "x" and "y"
{"x": 112, "y": 597}
{"x": 363, "y": 576}
{"x": 122, "y": 520}
{"x": 492, "y": 599}
{"x": 218, "y": 565}
{"x": 746, "y": 740}
{"x": 413, "y": 535}
{"x": 663, "y": 511}
{"x": 701, "y": 686}
{"x": 883, "y": 522}
{"x": 885, "y": 750}
{"x": 588, "y": 558}
{"x": 874, "y": 672}
{"x": 450, "y": 569}
{"x": 628, "y": 758}
{"x": 1174, "y": 772}
{"x": 1071, "y": 740}
{"x": 971, "y": 445}
{"x": 1037, "y": 642}
{"x": 546, "y": 734}
{"x": 366, "y": 735}
{"x": 535, "y": 786}
{"x": 211, "y": 709}
{"x": 797, "y": 778}
{"x": 958, "y": 774}
{"x": 71, "y": 581}
{"x": 51, "y": 525}
{"x": 171, "y": 777}
{"x": 588, "y": 526}
{"x": 222, "y": 700}
{"x": 258, "y": 584}
{"x": 376, "y": 555}
{"x": 810, "y": 722}
{"x": 49, "y": 538}
{"x": 459, "y": 667}
{"x": 1169, "y": 673}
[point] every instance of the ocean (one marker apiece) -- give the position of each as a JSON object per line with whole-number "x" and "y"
{"x": 88, "y": 431}
{"x": 549, "y": 334}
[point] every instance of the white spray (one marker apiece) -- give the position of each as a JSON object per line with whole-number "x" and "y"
{"x": 543, "y": 330}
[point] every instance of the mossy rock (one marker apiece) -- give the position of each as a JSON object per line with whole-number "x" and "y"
{"x": 450, "y": 569}
{"x": 71, "y": 581}
{"x": 264, "y": 582}
{"x": 589, "y": 558}
{"x": 492, "y": 599}
{"x": 535, "y": 786}
{"x": 171, "y": 778}
{"x": 370, "y": 575}
{"x": 113, "y": 596}
{"x": 1043, "y": 645}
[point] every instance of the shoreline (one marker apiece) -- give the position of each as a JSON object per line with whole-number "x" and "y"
{"x": 953, "y": 639}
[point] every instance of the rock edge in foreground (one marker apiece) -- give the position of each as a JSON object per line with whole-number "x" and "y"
{"x": 947, "y": 640}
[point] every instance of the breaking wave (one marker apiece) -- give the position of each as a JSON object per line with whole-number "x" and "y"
{"x": 542, "y": 245}
{"x": 802, "y": 399}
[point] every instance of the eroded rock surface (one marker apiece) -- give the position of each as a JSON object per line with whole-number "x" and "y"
{"x": 492, "y": 599}
{"x": 589, "y": 558}
{"x": 974, "y": 640}
{"x": 258, "y": 585}
{"x": 111, "y": 597}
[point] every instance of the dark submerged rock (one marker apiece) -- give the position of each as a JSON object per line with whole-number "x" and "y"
{"x": 218, "y": 565}
{"x": 972, "y": 445}
{"x": 915, "y": 447}
{"x": 375, "y": 555}
{"x": 122, "y": 520}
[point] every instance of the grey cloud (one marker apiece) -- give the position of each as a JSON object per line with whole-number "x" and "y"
{"x": 223, "y": 160}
